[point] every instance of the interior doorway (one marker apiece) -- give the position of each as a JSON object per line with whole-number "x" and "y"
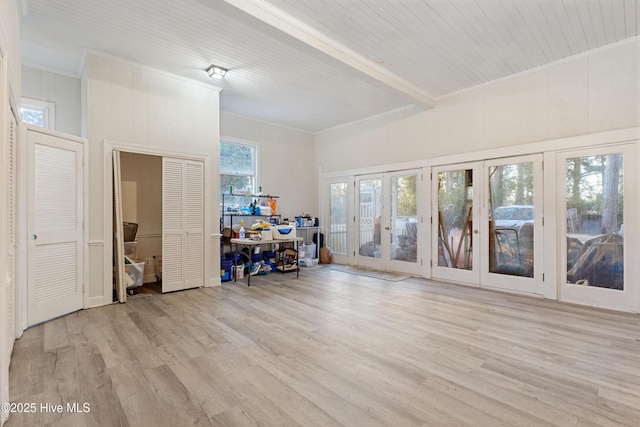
{"x": 159, "y": 203}
{"x": 138, "y": 211}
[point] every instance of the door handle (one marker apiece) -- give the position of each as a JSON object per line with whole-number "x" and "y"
{"x": 34, "y": 237}
{"x": 387, "y": 228}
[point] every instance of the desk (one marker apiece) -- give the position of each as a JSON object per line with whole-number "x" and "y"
{"x": 248, "y": 243}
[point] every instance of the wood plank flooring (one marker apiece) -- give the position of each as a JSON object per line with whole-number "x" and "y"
{"x": 331, "y": 349}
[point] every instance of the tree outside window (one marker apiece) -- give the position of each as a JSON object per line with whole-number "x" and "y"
{"x": 237, "y": 170}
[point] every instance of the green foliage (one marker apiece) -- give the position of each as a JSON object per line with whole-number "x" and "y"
{"x": 404, "y": 189}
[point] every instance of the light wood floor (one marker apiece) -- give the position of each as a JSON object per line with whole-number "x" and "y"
{"x": 332, "y": 348}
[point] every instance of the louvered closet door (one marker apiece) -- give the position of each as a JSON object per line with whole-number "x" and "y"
{"x": 10, "y": 283}
{"x": 55, "y": 258}
{"x": 194, "y": 224}
{"x": 172, "y": 224}
{"x": 182, "y": 224}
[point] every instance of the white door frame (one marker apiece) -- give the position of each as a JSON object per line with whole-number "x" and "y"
{"x": 413, "y": 268}
{"x": 508, "y": 282}
{"x": 456, "y": 275}
{"x": 384, "y": 260}
{"x": 325, "y": 189}
{"x": 84, "y": 179}
{"x": 623, "y": 300}
{"x": 211, "y": 238}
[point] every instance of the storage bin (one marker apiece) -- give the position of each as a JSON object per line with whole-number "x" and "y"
{"x": 282, "y": 232}
{"x": 130, "y": 249}
{"x": 225, "y": 269}
{"x": 307, "y": 251}
{"x": 232, "y": 257}
{"x": 308, "y": 262}
{"x": 239, "y": 271}
{"x": 267, "y": 234}
{"x": 263, "y": 210}
{"x": 133, "y": 273}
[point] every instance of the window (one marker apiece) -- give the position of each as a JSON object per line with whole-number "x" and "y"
{"x": 238, "y": 169}
{"x": 38, "y": 113}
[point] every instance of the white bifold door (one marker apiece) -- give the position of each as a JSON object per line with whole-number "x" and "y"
{"x": 55, "y": 227}
{"x": 182, "y": 224}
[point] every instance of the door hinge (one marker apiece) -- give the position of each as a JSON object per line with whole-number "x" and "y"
{"x": 431, "y": 263}
{"x": 430, "y": 220}
{"x": 543, "y": 277}
{"x": 543, "y": 221}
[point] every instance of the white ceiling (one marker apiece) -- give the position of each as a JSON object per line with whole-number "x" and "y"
{"x": 316, "y": 64}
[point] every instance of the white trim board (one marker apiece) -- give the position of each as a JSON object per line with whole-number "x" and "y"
{"x": 553, "y": 145}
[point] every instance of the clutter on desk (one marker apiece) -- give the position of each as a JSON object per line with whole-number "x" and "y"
{"x": 306, "y": 220}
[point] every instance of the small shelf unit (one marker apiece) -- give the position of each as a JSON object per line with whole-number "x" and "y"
{"x": 231, "y": 215}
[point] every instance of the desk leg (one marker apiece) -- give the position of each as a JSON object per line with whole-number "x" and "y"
{"x": 297, "y": 263}
{"x": 235, "y": 264}
{"x": 250, "y": 267}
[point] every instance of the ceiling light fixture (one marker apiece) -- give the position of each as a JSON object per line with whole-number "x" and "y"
{"x": 215, "y": 71}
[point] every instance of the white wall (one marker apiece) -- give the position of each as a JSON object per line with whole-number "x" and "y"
{"x": 63, "y": 91}
{"x": 590, "y": 93}
{"x": 146, "y": 108}
{"x": 286, "y": 162}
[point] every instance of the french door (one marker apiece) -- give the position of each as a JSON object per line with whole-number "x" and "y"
{"x": 387, "y": 221}
{"x": 597, "y": 249}
{"x": 512, "y": 224}
{"x": 455, "y": 223}
{"x": 339, "y": 211}
{"x": 487, "y": 223}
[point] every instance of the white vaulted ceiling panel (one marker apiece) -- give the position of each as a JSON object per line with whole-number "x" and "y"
{"x": 273, "y": 77}
{"x": 315, "y": 64}
{"x": 446, "y": 46}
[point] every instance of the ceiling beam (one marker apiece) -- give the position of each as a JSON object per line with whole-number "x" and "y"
{"x": 267, "y": 13}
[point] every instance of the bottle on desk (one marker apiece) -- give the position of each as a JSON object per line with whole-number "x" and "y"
{"x": 242, "y": 233}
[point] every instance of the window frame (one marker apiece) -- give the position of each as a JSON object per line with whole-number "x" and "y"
{"x": 47, "y": 108}
{"x": 255, "y": 175}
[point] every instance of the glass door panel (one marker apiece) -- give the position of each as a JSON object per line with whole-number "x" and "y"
{"x": 513, "y": 220}
{"x": 369, "y": 205}
{"x": 593, "y": 203}
{"x": 454, "y": 223}
{"x": 403, "y": 221}
{"x": 338, "y": 216}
